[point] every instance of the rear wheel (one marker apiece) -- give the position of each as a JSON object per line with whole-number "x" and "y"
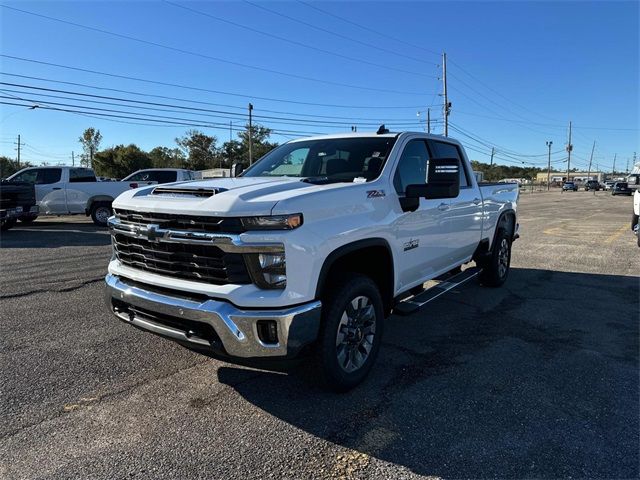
{"x": 100, "y": 213}
{"x": 351, "y": 331}
{"x": 495, "y": 268}
{"x": 634, "y": 221}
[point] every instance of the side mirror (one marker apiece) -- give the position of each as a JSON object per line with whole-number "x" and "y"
{"x": 443, "y": 180}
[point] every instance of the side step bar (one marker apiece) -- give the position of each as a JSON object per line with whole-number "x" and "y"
{"x": 413, "y": 304}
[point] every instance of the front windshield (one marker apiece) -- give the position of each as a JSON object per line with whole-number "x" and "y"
{"x": 331, "y": 159}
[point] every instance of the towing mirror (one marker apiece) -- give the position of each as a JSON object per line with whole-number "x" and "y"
{"x": 443, "y": 180}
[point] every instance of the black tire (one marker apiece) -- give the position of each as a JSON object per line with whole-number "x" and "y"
{"x": 634, "y": 221}
{"x": 7, "y": 224}
{"x": 342, "y": 355}
{"x": 495, "y": 269}
{"x": 100, "y": 212}
{"x": 28, "y": 219}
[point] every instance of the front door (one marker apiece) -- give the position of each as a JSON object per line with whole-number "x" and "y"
{"x": 422, "y": 235}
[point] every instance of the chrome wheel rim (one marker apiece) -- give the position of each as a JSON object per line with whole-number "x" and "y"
{"x": 103, "y": 214}
{"x": 503, "y": 258}
{"x": 356, "y": 331}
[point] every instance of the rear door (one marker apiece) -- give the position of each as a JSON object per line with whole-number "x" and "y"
{"x": 77, "y": 192}
{"x": 49, "y": 188}
{"x": 422, "y": 236}
{"x": 465, "y": 215}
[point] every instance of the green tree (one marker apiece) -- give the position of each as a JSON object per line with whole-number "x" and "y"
{"x": 199, "y": 149}
{"x": 163, "y": 157}
{"x": 9, "y": 167}
{"x": 90, "y": 141}
{"x": 237, "y": 151}
{"x": 121, "y": 160}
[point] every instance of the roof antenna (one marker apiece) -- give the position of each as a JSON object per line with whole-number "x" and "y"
{"x": 382, "y": 130}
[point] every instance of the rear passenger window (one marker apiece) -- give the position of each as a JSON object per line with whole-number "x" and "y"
{"x": 412, "y": 167}
{"x": 48, "y": 175}
{"x": 449, "y": 150}
{"x": 81, "y": 175}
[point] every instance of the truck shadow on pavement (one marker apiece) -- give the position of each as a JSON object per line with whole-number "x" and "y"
{"x": 55, "y": 234}
{"x": 538, "y": 378}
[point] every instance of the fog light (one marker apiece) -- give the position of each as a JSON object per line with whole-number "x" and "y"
{"x": 267, "y": 331}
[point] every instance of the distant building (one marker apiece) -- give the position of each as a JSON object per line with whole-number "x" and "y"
{"x": 578, "y": 177}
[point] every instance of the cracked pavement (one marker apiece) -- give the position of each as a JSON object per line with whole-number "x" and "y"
{"x": 535, "y": 379}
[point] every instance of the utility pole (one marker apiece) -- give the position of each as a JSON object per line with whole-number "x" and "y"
{"x": 250, "y": 135}
{"x": 18, "y": 152}
{"x": 493, "y": 150}
{"x": 590, "y": 160}
{"x": 615, "y": 155}
{"x": 569, "y": 149}
{"x": 230, "y": 148}
{"x": 447, "y": 105}
{"x": 428, "y": 120}
{"x": 549, "y": 143}
{"x": 627, "y": 166}
{"x": 73, "y": 159}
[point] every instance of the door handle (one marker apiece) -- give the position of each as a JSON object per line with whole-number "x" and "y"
{"x": 443, "y": 207}
{"x": 476, "y": 201}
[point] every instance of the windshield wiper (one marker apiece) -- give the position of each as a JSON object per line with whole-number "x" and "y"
{"x": 322, "y": 180}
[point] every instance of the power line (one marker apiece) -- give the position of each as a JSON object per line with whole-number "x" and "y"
{"x": 367, "y": 28}
{"x": 294, "y": 42}
{"x": 208, "y": 57}
{"x": 181, "y": 109}
{"x": 199, "y": 89}
{"x": 377, "y": 48}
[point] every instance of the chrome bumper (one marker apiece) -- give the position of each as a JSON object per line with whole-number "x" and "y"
{"x": 236, "y": 329}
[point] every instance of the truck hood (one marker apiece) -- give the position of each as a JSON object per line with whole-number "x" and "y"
{"x": 241, "y": 196}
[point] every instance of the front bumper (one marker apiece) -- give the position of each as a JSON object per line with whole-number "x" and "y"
{"x": 212, "y": 324}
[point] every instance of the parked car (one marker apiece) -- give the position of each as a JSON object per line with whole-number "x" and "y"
{"x": 162, "y": 175}
{"x": 17, "y": 200}
{"x": 621, "y": 188}
{"x": 592, "y": 185}
{"x": 272, "y": 264}
{"x": 608, "y": 184}
{"x": 69, "y": 191}
{"x": 636, "y": 213}
{"x": 569, "y": 186}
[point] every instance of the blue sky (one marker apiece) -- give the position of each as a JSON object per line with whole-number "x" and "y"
{"x": 517, "y": 72}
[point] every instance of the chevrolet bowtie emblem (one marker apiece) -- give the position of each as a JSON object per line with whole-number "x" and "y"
{"x": 152, "y": 233}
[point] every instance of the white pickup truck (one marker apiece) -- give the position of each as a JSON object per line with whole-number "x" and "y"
{"x": 309, "y": 250}
{"x": 71, "y": 190}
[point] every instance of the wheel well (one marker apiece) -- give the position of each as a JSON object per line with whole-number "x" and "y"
{"x": 508, "y": 222}
{"x": 372, "y": 259}
{"x": 99, "y": 199}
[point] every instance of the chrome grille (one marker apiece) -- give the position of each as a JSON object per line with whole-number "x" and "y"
{"x": 181, "y": 222}
{"x": 203, "y": 263}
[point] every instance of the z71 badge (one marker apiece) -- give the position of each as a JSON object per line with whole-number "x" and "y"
{"x": 375, "y": 193}
{"x": 411, "y": 244}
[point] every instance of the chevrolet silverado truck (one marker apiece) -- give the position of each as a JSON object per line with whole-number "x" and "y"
{"x": 70, "y": 191}
{"x": 16, "y": 199}
{"x": 309, "y": 250}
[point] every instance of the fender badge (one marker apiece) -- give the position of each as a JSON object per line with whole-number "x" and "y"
{"x": 411, "y": 244}
{"x": 375, "y": 193}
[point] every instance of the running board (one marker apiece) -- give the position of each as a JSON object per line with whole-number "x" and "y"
{"x": 413, "y": 304}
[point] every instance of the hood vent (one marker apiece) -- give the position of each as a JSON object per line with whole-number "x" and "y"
{"x": 186, "y": 192}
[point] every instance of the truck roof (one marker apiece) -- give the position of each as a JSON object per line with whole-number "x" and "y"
{"x": 370, "y": 135}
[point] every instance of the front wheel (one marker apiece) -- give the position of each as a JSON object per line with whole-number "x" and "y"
{"x": 634, "y": 221}
{"x": 100, "y": 213}
{"x": 28, "y": 219}
{"x": 7, "y": 224}
{"x": 351, "y": 331}
{"x": 495, "y": 268}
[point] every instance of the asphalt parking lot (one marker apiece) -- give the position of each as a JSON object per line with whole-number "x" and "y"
{"x": 537, "y": 379}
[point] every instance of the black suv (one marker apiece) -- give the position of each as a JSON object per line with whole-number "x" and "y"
{"x": 621, "y": 188}
{"x": 592, "y": 185}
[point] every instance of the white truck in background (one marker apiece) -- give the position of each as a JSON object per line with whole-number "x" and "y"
{"x": 309, "y": 250}
{"x": 64, "y": 190}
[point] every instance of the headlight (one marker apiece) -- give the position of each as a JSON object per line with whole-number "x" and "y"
{"x": 273, "y": 222}
{"x": 268, "y": 270}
